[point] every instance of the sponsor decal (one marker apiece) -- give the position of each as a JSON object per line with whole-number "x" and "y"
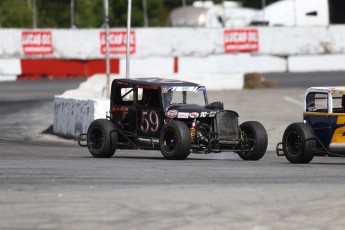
{"x": 149, "y": 121}
{"x": 167, "y": 121}
{"x": 241, "y": 40}
{"x": 37, "y": 42}
{"x": 164, "y": 90}
{"x": 212, "y": 114}
{"x": 171, "y": 113}
{"x": 118, "y": 42}
{"x": 194, "y": 115}
{"x": 182, "y": 115}
{"x": 120, "y": 108}
{"x": 201, "y": 88}
{"x": 203, "y": 114}
{"x": 186, "y": 88}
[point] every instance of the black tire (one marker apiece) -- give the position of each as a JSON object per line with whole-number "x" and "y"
{"x": 101, "y": 138}
{"x": 175, "y": 140}
{"x": 296, "y": 149}
{"x": 256, "y": 131}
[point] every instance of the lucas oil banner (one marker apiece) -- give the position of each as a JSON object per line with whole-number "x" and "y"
{"x": 241, "y": 40}
{"x": 117, "y": 42}
{"x": 37, "y": 42}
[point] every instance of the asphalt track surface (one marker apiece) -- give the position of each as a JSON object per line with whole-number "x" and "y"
{"x": 47, "y": 182}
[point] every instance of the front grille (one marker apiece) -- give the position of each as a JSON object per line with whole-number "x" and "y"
{"x": 227, "y": 126}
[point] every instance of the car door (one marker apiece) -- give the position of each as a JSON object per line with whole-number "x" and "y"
{"x": 319, "y": 118}
{"x": 337, "y": 143}
{"x": 149, "y": 112}
{"x": 123, "y": 107}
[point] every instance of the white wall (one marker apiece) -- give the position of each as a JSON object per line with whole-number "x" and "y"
{"x": 170, "y": 42}
{"x": 238, "y": 63}
{"x": 9, "y": 69}
{"x": 318, "y": 63}
{"x": 199, "y": 51}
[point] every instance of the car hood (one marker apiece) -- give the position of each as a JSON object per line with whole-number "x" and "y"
{"x": 190, "y": 111}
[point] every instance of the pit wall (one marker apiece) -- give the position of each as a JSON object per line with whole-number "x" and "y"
{"x": 176, "y": 50}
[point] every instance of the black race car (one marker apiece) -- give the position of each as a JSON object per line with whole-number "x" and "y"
{"x": 173, "y": 116}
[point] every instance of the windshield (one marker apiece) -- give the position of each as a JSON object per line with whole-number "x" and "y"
{"x": 184, "y": 95}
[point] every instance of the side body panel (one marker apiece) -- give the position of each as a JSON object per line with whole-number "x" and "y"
{"x": 329, "y": 128}
{"x": 322, "y": 125}
{"x": 150, "y": 121}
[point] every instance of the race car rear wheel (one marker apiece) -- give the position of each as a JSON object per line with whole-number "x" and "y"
{"x": 299, "y": 143}
{"x": 255, "y": 132}
{"x": 101, "y": 138}
{"x": 175, "y": 140}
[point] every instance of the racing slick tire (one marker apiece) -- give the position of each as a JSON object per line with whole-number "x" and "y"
{"x": 255, "y": 131}
{"x": 299, "y": 143}
{"x": 175, "y": 141}
{"x": 101, "y": 138}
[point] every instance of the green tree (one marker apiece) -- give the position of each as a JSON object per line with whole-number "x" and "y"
{"x": 256, "y": 4}
{"x": 53, "y": 13}
{"x": 15, "y": 13}
{"x": 157, "y": 13}
{"x": 90, "y": 13}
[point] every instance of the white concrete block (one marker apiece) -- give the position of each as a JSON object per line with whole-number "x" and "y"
{"x": 73, "y": 116}
{"x": 8, "y": 77}
{"x": 316, "y": 63}
{"x": 212, "y": 81}
{"x": 10, "y": 43}
{"x": 220, "y": 81}
{"x": 93, "y": 87}
{"x": 231, "y": 63}
{"x": 150, "y": 65}
{"x": 10, "y": 66}
{"x": 293, "y": 40}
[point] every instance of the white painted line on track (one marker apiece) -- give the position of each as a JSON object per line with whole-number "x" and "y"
{"x": 294, "y": 101}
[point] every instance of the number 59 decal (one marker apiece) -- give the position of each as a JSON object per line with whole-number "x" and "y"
{"x": 149, "y": 121}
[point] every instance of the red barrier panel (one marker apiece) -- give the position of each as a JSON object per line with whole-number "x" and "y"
{"x": 98, "y": 66}
{"x": 176, "y": 65}
{"x": 59, "y": 68}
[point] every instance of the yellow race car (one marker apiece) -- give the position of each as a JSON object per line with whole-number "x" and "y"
{"x": 322, "y": 131}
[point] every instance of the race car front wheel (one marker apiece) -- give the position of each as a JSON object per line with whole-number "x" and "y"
{"x": 175, "y": 140}
{"x": 101, "y": 138}
{"x": 256, "y": 135}
{"x": 299, "y": 143}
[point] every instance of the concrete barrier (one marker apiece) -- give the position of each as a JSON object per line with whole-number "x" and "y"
{"x": 9, "y": 69}
{"x": 75, "y": 109}
{"x": 237, "y": 63}
{"x": 198, "y": 50}
{"x": 72, "y": 116}
{"x": 86, "y": 44}
{"x": 319, "y": 63}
